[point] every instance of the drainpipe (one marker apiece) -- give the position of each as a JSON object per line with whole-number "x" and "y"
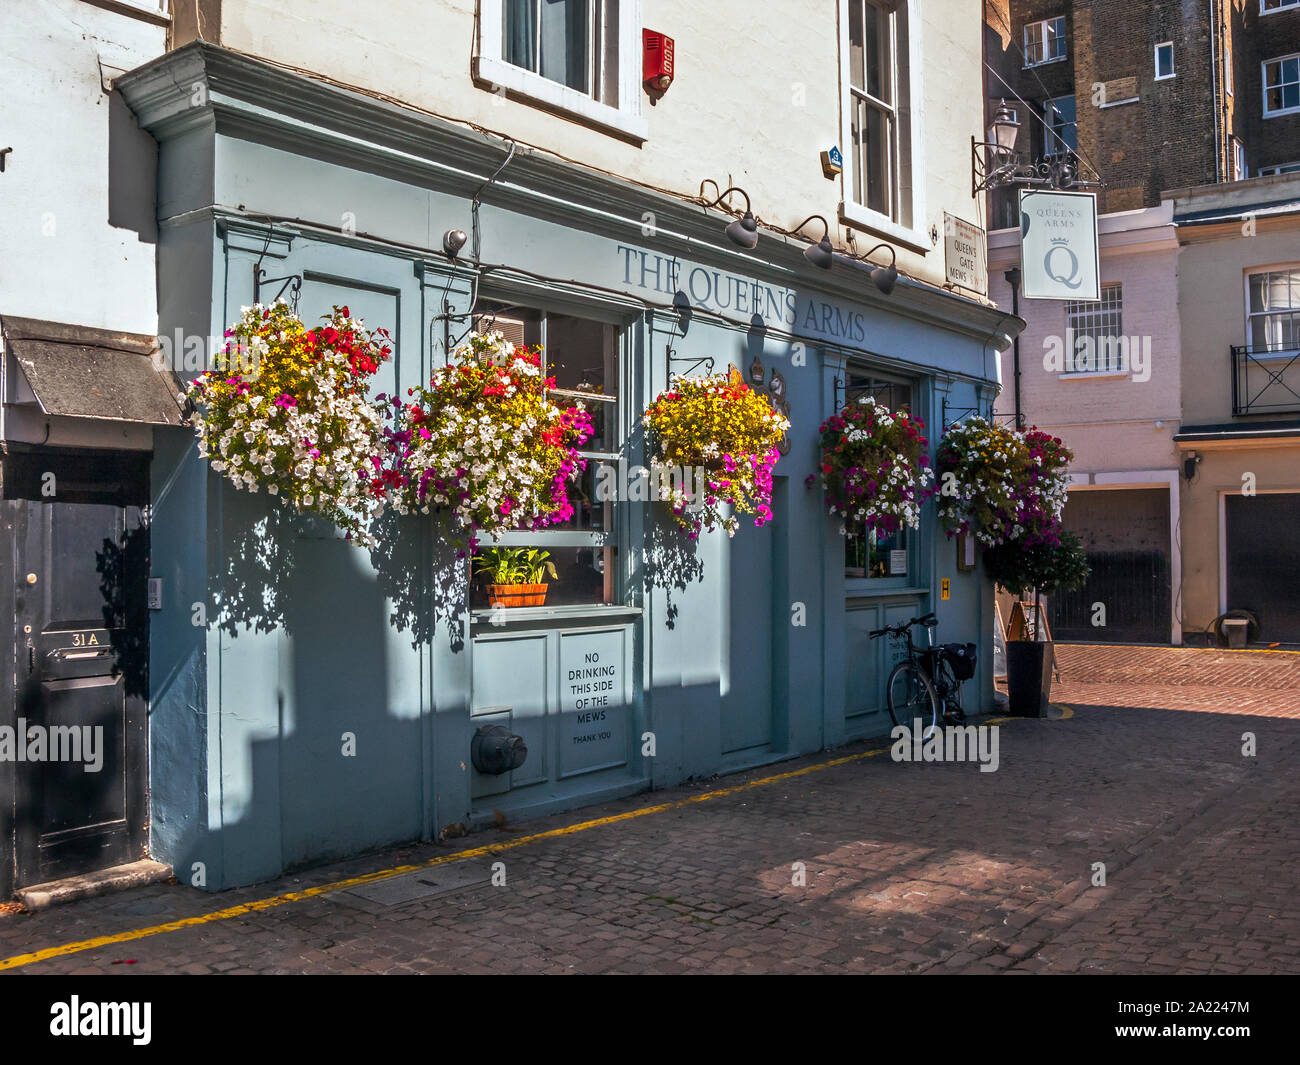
{"x": 1013, "y": 279}
{"x": 1216, "y": 26}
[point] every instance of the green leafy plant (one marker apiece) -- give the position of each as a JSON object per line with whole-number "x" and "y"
{"x": 515, "y": 565}
{"x": 1044, "y": 567}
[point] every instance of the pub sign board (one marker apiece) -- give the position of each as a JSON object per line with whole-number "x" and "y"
{"x": 1059, "y": 254}
{"x": 966, "y": 255}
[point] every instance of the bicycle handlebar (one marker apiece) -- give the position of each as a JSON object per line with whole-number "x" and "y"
{"x": 929, "y": 621}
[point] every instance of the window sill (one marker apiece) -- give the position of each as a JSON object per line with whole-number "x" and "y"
{"x": 1092, "y": 375}
{"x": 854, "y": 214}
{"x": 598, "y": 612}
{"x": 497, "y": 73}
{"x": 1283, "y": 113}
{"x": 1045, "y": 62}
{"x": 1121, "y": 103}
{"x": 859, "y": 588}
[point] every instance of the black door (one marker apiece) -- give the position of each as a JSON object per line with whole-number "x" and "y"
{"x": 1264, "y": 561}
{"x": 80, "y": 572}
{"x": 1126, "y": 599}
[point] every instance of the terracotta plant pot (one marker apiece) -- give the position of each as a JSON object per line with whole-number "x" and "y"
{"x": 508, "y": 595}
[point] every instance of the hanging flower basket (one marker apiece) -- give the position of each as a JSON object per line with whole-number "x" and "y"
{"x": 285, "y": 409}
{"x": 1002, "y": 485}
{"x": 873, "y": 466}
{"x": 484, "y": 444}
{"x": 717, "y": 424}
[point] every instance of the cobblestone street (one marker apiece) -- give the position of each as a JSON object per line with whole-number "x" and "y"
{"x": 906, "y": 868}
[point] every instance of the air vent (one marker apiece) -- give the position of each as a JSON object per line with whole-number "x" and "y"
{"x": 511, "y": 328}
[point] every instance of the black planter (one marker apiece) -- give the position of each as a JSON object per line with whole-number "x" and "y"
{"x": 1029, "y": 677}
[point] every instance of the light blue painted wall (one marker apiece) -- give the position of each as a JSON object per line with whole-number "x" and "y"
{"x": 310, "y": 638}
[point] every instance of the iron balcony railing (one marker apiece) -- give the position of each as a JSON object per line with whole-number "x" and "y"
{"x": 1265, "y": 381}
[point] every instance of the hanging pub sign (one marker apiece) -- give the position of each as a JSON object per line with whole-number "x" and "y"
{"x": 966, "y": 255}
{"x": 1058, "y": 245}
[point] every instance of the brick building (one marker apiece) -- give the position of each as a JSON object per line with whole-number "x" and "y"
{"x": 1157, "y": 96}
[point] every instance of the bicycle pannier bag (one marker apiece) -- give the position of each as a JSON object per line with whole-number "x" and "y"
{"x": 961, "y": 656}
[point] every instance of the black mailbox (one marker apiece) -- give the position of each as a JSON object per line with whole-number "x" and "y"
{"x": 495, "y": 750}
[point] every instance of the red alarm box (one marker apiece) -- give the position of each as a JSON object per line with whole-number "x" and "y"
{"x": 658, "y": 64}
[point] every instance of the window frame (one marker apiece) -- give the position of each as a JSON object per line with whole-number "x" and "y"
{"x": 909, "y": 187}
{"x": 1284, "y": 5}
{"x": 1264, "y": 86}
{"x": 1240, "y": 164}
{"x": 627, "y": 119}
{"x": 615, "y": 538}
{"x": 1042, "y": 40}
{"x": 1173, "y": 71}
{"x": 1264, "y": 271}
{"x": 1074, "y": 309}
{"x": 1050, "y": 127}
{"x": 891, "y": 583}
{"x": 1278, "y": 169}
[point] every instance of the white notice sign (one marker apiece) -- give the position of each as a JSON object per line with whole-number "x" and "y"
{"x": 1058, "y": 245}
{"x": 966, "y": 254}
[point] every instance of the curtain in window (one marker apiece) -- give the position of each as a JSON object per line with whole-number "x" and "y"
{"x": 564, "y": 42}
{"x": 521, "y": 33}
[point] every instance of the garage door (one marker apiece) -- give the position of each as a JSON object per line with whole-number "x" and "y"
{"x": 1263, "y": 558}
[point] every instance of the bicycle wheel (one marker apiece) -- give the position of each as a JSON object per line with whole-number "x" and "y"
{"x": 911, "y": 698}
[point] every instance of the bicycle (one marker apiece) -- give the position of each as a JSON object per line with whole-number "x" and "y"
{"x": 927, "y": 683}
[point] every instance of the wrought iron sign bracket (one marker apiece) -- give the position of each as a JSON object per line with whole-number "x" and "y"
{"x": 292, "y": 283}
{"x": 844, "y": 391}
{"x": 691, "y": 363}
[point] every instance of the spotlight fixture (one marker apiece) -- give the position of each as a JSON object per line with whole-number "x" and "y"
{"x": 743, "y": 231}
{"x": 883, "y": 277}
{"x": 452, "y": 241}
{"x": 821, "y": 254}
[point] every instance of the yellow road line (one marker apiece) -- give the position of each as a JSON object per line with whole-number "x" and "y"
{"x": 1183, "y": 647}
{"x": 243, "y": 909}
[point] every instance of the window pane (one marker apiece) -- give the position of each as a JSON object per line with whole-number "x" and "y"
{"x": 592, "y": 494}
{"x": 1034, "y": 43}
{"x": 582, "y": 356}
{"x": 857, "y": 64}
{"x": 869, "y": 553}
{"x": 876, "y": 50}
{"x": 520, "y": 29}
{"x": 1063, "y": 134}
{"x": 872, "y": 141}
{"x": 565, "y": 53}
{"x": 1055, "y": 31}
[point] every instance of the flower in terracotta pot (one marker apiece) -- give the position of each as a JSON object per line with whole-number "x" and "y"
{"x": 515, "y": 576}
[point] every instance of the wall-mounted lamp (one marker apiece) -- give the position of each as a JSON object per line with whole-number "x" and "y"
{"x": 821, "y": 254}
{"x": 743, "y": 231}
{"x": 452, "y": 241}
{"x": 1189, "y": 465}
{"x": 883, "y": 277}
{"x": 994, "y": 163}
